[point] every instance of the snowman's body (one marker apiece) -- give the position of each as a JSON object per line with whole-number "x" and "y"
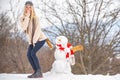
{"x": 61, "y": 64}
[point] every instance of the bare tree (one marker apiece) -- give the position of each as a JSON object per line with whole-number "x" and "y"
{"x": 90, "y": 23}
{"x": 13, "y": 45}
{"x": 5, "y": 25}
{"x": 19, "y": 57}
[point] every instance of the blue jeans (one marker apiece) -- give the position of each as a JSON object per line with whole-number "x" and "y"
{"x": 31, "y": 54}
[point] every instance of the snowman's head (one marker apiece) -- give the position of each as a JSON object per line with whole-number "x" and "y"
{"x": 61, "y": 40}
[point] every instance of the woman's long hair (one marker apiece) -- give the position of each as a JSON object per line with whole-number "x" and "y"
{"x": 32, "y": 14}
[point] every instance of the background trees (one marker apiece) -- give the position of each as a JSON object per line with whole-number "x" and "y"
{"x": 93, "y": 23}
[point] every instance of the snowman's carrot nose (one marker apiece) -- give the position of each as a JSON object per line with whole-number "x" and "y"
{"x": 59, "y": 40}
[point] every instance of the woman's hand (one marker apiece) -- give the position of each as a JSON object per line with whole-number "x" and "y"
{"x": 33, "y": 44}
{"x": 27, "y": 14}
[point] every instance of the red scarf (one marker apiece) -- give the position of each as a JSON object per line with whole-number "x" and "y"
{"x": 62, "y": 49}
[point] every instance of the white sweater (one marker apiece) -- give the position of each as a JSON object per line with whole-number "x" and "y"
{"x": 27, "y": 28}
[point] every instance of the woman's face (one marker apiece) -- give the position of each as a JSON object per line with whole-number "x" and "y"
{"x": 28, "y": 9}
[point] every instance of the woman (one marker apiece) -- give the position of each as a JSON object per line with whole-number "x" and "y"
{"x": 36, "y": 38}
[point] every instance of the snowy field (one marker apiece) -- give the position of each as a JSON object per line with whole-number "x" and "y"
{"x": 47, "y": 76}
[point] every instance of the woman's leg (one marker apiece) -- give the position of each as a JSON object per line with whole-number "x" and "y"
{"x": 38, "y": 72}
{"x": 38, "y": 45}
{"x": 30, "y": 57}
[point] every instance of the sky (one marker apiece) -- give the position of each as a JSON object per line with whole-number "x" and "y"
{"x": 4, "y": 5}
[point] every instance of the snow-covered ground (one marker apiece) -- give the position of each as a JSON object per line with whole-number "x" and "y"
{"x": 47, "y": 76}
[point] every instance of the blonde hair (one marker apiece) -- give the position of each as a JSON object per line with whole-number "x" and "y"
{"x": 32, "y": 14}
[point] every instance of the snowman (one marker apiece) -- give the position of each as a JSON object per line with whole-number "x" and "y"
{"x": 64, "y": 56}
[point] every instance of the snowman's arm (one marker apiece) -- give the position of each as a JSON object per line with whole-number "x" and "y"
{"x": 77, "y": 48}
{"x": 49, "y": 43}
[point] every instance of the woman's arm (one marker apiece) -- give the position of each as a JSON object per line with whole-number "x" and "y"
{"x": 38, "y": 32}
{"x": 24, "y": 21}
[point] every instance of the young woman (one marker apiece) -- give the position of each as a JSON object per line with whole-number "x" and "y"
{"x": 36, "y": 38}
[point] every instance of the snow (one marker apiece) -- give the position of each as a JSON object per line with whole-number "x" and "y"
{"x": 49, "y": 76}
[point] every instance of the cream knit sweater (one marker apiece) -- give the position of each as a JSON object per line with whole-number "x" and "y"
{"x": 27, "y": 26}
